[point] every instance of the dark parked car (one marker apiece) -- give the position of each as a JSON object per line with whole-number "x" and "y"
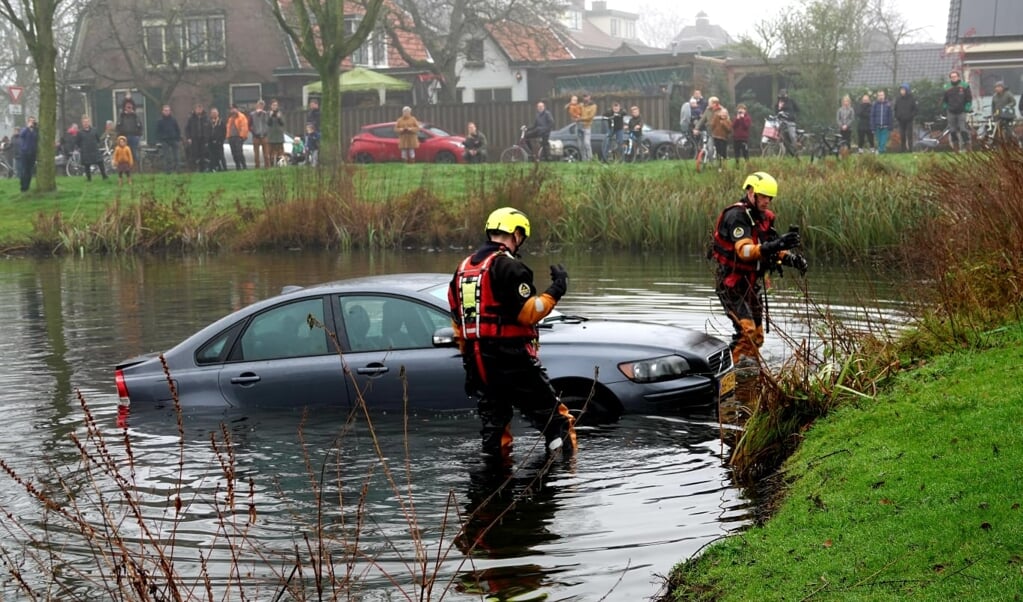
{"x": 268, "y": 356}
{"x": 378, "y": 142}
{"x": 660, "y": 142}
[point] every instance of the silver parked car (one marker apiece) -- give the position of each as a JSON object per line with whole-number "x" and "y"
{"x": 249, "y": 154}
{"x": 280, "y": 354}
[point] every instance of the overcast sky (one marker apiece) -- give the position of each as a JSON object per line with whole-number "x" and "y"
{"x": 738, "y": 16}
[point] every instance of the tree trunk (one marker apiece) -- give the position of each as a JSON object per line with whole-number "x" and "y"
{"x": 330, "y": 117}
{"x": 45, "y": 56}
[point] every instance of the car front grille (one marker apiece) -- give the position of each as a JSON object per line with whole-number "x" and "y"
{"x": 721, "y": 361}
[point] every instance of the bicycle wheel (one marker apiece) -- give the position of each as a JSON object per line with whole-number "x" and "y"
{"x": 514, "y": 154}
{"x": 73, "y": 168}
{"x": 642, "y": 151}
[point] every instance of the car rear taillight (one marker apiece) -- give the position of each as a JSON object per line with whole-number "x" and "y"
{"x": 122, "y": 389}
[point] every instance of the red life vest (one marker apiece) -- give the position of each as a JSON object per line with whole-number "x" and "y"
{"x": 724, "y": 249}
{"x": 476, "y": 312}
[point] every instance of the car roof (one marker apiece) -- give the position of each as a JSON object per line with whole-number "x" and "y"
{"x": 370, "y": 126}
{"x": 393, "y": 283}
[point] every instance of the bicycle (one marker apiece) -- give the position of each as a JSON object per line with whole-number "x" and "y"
{"x": 6, "y": 169}
{"x": 932, "y": 140}
{"x": 707, "y": 152}
{"x": 775, "y": 139}
{"x": 829, "y": 142}
{"x": 522, "y": 151}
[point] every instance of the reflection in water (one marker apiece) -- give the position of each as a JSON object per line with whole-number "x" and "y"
{"x": 640, "y": 495}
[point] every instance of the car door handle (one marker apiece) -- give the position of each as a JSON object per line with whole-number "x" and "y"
{"x": 372, "y": 369}
{"x": 246, "y": 378}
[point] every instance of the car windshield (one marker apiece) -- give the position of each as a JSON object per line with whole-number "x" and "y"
{"x": 441, "y": 292}
{"x": 436, "y": 131}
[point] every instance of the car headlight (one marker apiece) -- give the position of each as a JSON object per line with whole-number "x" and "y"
{"x": 656, "y": 369}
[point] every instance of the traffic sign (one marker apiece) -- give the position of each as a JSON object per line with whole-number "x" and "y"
{"x": 14, "y": 109}
{"x": 15, "y": 93}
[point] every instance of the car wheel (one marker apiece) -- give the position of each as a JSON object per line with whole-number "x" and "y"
{"x": 363, "y": 158}
{"x": 601, "y": 409}
{"x": 444, "y": 157}
{"x": 665, "y": 152}
{"x": 571, "y": 154}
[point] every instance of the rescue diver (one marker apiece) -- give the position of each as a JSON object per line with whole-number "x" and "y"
{"x": 495, "y": 308}
{"x": 746, "y": 246}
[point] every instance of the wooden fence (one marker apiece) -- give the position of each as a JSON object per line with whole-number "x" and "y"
{"x": 500, "y": 121}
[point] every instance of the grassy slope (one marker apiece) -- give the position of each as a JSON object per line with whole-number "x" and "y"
{"x": 913, "y": 496}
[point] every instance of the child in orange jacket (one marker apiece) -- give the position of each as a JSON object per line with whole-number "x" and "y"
{"x": 123, "y": 159}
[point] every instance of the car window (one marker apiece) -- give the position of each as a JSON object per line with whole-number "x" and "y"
{"x": 436, "y": 131}
{"x": 216, "y": 349}
{"x": 385, "y": 132}
{"x": 283, "y": 332}
{"x": 378, "y": 323}
{"x": 599, "y": 126}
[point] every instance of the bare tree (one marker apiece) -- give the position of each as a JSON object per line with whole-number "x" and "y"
{"x": 450, "y": 29}
{"x": 317, "y": 28}
{"x": 33, "y": 20}
{"x": 658, "y": 27}
{"x": 885, "y": 19}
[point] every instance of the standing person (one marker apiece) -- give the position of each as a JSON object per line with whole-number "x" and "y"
{"x": 109, "y": 136}
{"x": 541, "y": 131}
{"x": 407, "y": 127}
{"x": 845, "y": 117}
{"x": 275, "y": 136}
{"x": 864, "y": 133}
{"x": 129, "y": 125}
{"x": 589, "y": 112}
{"x": 7, "y": 146}
{"x": 475, "y": 144}
{"x": 313, "y": 116}
{"x": 905, "y": 113}
{"x": 89, "y": 142}
{"x": 67, "y": 141}
{"x": 16, "y": 151}
{"x": 259, "y": 126}
{"x": 615, "y": 129}
{"x": 575, "y": 111}
{"x": 237, "y": 128}
{"x": 312, "y": 145}
{"x": 881, "y": 120}
{"x": 218, "y": 135}
{"x": 28, "y": 144}
{"x": 788, "y": 112}
{"x": 741, "y": 126}
{"x": 123, "y": 160}
{"x": 685, "y": 115}
{"x": 635, "y": 129}
{"x": 746, "y": 246}
{"x": 495, "y": 308}
{"x": 957, "y": 101}
{"x": 198, "y": 132}
{"x": 720, "y": 129}
{"x": 168, "y": 134}
{"x": 701, "y": 104}
{"x": 1003, "y": 110}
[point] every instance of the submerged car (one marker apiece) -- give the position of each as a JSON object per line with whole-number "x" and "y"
{"x": 395, "y": 330}
{"x": 662, "y": 143}
{"x": 378, "y": 143}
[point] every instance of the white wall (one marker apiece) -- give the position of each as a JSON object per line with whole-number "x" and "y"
{"x": 495, "y": 73}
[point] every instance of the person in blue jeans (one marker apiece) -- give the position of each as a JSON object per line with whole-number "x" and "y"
{"x": 881, "y": 120}
{"x": 615, "y": 129}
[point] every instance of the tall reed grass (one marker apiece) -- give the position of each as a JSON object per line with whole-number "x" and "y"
{"x": 846, "y": 208}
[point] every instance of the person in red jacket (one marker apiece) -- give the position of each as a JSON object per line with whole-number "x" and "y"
{"x": 740, "y": 133}
{"x": 495, "y": 308}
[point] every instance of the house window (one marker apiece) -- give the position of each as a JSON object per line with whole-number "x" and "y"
{"x": 246, "y": 95}
{"x": 630, "y": 30}
{"x": 474, "y": 52}
{"x": 614, "y": 27}
{"x": 195, "y": 41}
{"x": 373, "y": 52}
{"x": 573, "y": 20}
{"x": 492, "y": 94}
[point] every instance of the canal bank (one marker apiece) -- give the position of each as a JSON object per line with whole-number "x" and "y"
{"x": 913, "y": 494}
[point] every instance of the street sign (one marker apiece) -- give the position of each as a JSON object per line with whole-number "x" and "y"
{"x": 15, "y": 93}
{"x": 14, "y": 109}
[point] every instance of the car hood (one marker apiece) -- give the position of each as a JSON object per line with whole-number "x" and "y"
{"x": 646, "y": 338}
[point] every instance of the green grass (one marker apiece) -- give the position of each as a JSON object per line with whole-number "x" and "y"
{"x": 912, "y": 496}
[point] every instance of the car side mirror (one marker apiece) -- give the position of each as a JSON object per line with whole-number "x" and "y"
{"x": 444, "y": 337}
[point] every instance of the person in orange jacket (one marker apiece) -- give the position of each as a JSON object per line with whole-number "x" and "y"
{"x": 123, "y": 159}
{"x": 237, "y": 131}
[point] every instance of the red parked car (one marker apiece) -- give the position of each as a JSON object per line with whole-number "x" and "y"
{"x": 378, "y": 142}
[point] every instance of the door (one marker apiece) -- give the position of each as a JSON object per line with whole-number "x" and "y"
{"x": 384, "y": 335}
{"x": 279, "y": 362}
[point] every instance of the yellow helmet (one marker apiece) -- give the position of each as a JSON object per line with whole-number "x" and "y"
{"x": 507, "y": 219}
{"x": 762, "y": 183}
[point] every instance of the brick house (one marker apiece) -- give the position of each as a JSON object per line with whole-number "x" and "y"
{"x": 986, "y": 38}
